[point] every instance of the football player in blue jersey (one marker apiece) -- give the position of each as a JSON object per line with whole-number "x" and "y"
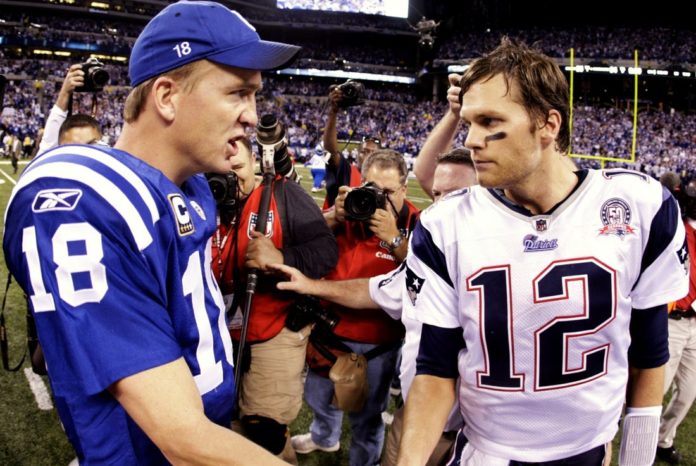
{"x": 113, "y": 249}
{"x": 544, "y": 289}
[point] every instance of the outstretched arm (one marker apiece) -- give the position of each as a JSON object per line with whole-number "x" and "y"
{"x": 350, "y": 293}
{"x": 440, "y": 139}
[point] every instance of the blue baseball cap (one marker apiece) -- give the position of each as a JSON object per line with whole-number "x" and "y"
{"x": 188, "y": 31}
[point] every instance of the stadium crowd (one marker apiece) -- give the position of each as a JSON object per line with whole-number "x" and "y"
{"x": 160, "y": 143}
{"x": 668, "y": 46}
{"x": 664, "y": 140}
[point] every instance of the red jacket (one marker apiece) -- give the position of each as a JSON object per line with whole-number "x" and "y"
{"x": 686, "y": 302}
{"x": 362, "y": 255}
{"x": 307, "y": 243}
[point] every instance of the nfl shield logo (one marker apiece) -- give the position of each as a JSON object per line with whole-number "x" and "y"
{"x": 540, "y": 224}
{"x": 252, "y": 224}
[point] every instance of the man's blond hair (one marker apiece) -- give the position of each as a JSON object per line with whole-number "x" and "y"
{"x": 135, "y": 102}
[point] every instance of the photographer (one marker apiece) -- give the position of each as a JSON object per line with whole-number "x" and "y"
{"x": 52, "y": 133}
{"x": 366, "y": 248}
{"x": 389, "y": 292}
{"x": 339, "y": 171}
{"x": 296, "y": 234}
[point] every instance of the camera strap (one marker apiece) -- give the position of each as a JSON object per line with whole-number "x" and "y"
{"x": 324, "y": 341}
{"x": 3, "y": 334}
{"x": 279, "y": 194}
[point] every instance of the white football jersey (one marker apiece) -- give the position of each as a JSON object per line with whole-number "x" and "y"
{"x": 544, "y": 303}
{"x": 388, "y": 291}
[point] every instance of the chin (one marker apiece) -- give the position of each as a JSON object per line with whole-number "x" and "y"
{"x": 487, "y": 182}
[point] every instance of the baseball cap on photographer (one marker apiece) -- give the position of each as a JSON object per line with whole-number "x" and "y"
{"x": 188, "y": 31}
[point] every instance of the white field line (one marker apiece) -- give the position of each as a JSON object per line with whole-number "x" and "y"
{"x": 8, "y": 176}
{"x": 38, "y": 387}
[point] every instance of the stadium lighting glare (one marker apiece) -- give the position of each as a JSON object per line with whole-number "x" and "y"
{"x": 103, "y": 6}
{"x": 388, "y": 78}
{"x": 42, "y": 52}
{"x": 99, "y": 56}
{"x": 62, "y": 53}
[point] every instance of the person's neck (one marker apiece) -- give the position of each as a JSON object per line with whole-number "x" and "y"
{"x": 148, "y": 144}
{"x": 549, "y": 186}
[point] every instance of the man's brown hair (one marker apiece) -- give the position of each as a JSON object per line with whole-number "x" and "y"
{"x": 542, "y": 85}
{"x": 135, "y": 102}
{"x": 385, "y": 159}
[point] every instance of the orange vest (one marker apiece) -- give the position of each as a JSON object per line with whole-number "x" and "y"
{"x": 269, "y": 306}
{"x": 362, "y": 255}
{"x": 686, "y": 302}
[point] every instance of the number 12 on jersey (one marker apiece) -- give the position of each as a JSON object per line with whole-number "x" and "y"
{"x": 551, "y": 369}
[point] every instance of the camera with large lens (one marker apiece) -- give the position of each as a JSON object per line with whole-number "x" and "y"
{"x": 96, "y": 77}
{"x": 307, "y": 310}
{"x": 273, "y": 147}
{"x": 352, "y": 93}
{"x": 362, "y": 202}
{"x": 224, "y": 189}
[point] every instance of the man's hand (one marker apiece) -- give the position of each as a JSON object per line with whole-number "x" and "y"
{"x": 297, "y": 281}
{"x": 339, "y": 206}
{"x": 261, "y": 252}
{"x": 335, "y": 96}
{"x": 383, "y": 225}
{"x": 74, "y": 78}
{"x": 453, "y": 92}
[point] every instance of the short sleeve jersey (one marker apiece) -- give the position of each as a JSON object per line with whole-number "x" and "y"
{"x": 388, "y": 291}
{"x": 544, "y": 303}
{"x": 115, "y": 261}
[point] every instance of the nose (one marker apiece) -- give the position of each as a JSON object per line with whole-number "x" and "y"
{"x": 474, "y": 139}
{"x": 249, "y": 118}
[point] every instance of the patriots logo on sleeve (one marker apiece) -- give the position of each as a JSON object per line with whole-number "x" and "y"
{"x": 683, "y": 255}
{"x": 49, "y": 200}
{"x": 414, "y": 284}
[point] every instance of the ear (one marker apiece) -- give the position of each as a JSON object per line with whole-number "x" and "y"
{"x": 166, "y": 95}
{"x": 551, "y": 127}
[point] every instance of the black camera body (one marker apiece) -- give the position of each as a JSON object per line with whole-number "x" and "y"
{"x": 96, "y": 77}
{"x": 352, "y": 93}
{"x": 225, "y": 190}
{"x": 307, "y": 310}
{"x": 361, "y": 203}
{"x": 273, "y": 147}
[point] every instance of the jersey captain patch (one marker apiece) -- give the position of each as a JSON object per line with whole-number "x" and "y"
{"x": 56, "y": 199}
{"x": 181, "y": 214}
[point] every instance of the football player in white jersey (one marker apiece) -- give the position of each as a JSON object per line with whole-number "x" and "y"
{"x": 543, "y": 289}
{"x": 113, "y": 249}
{"x": 453, "y": 170}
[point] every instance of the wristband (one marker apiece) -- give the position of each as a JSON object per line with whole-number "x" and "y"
{"x": 639, "y": 438}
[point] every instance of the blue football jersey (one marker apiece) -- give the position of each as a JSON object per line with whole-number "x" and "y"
{"x": 115, "y": 261}
{"x": 544, "y": 304}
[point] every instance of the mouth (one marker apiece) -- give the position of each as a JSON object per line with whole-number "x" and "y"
{"x": 232, "y": 147}
{"x": 482, "y": 163}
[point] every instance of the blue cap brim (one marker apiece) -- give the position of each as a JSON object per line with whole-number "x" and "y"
{"x": 261, "y": 55}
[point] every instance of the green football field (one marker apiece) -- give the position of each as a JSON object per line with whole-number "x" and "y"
{"x": 31, "y": 433}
